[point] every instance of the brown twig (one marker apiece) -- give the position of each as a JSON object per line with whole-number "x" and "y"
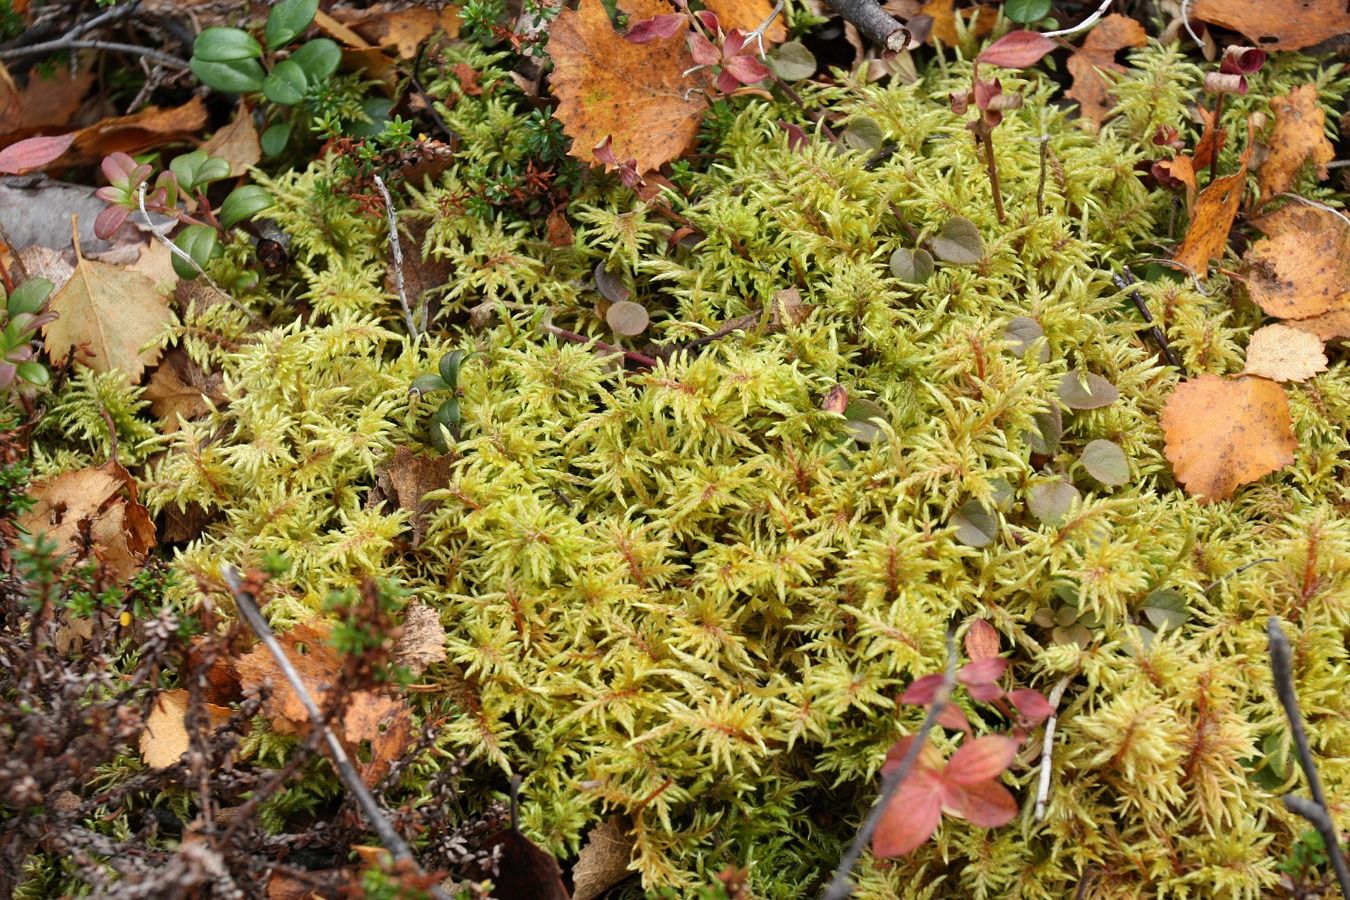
{"x": 630, "y": 355}
{"x": 987, "y": 142}
{"x": 351, "y": 779}
{"x": 874, "y": 23}
{"x": 1125, "y": 281}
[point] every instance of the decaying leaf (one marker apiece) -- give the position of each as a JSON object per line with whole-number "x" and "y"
{"x": 149, "y": 128}
{"x": 406, "y": 480}
{"x": 636, "y": 94}
{"x": 604, "y": 861}
{"x": 1223, "y": 432}
{"x": 92, "y": 501}
{"x": 237, "y": 143}
{"x": 45, "y": 103}
{"x": 1282, "y": 353}
{"x": 982, "y": 641}
{"x": 180, "y": 391}
{"x": 746, "y": 16}
{"x": 1299, "y": 136}
{"x": 422, "y": 641}
{"x": 165, "y": 738}
{"x": 108, "y": 317}
{"x": 1301, "y": 268}
{"x": 1212, "y": 219}
{"x": 399, "y": 25}
{"x": 1098, "y": 55}
{"x": 382, "y": 721}
{"x": 1277, "y": 24}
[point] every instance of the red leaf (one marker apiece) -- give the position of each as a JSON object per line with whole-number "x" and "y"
{"x": 911, "y": 817}
{"x": 33, "y": 153}
{"x": 747, "y": 69}
{"x": 702, "y": 49}
{"x": 923, "y": 691}
{"x": 930, "y": 757}
{"x": 982, "y": 671}
{"x": 981, "y": 640}
{"x": 1031, "y": 704}
{"x": 651, "y": 29}
{"x": 984, "y": 692}
{"x": 987, "y": 804}
{"x": 1016, "y": 50}
{"x": 980, "y": 760}
{"x": 953, "y": 716}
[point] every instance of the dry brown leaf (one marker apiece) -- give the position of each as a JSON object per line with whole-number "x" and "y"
{"x": 407, "y": 479}
{"x": 339, "y": 32}
{"x": 1211, "y": 220}
{"x": 237, "y": 143}
{"x": 1223, "y": 432}
{"x": 154, "y": 262}
{"x": 404, "y": 28}
{"x": 744, "y": 15}
{"x": 979, "y": 21}
{"x": 44, "y": 104}
{"x": 165, "y": 738}
{"x": 1097, "y": 55}
{"x": 604, "y": 861}
{"x": 1298, "y": 137}
{"x": 1212, "y": 139}
{"x": 91, "y": 501}
{"x": 422, "y": 641}
{"x": 149, "y": 128}
{"x": 385, "y": 722}
{"x": 179, "y": 387}
{"x": 1277, "y": 24}
{"x": 1302, "y": 267}
{"x": 637, "y": 94}
{"x": 1282, "y": 353}
{"x": 982, "y": 640}
{"x": 1331, "y": 325}
{"x": 108, "y": 315}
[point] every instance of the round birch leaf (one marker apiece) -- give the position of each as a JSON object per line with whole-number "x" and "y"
{"x": 959, "y": 242}
{"x": 1050, "y": 502}
{"x": 610, "y": 286}
{"x": 912, "y": 266}
{"x": 1024, "y": 333}
{"x": 1085, "y": 390}
{"x": 792, "y": 61}
{"x": 863, "y": 135}
{"x": 1066, "y": 616}
{"x": 1106, "y": 462}
{"x": 627, "y": 318}
{"x": 1044, "y": 441}
{"x": 1166, "y": 609}
{"x": 858, "y": 423}
{"x": 975, "y": 525}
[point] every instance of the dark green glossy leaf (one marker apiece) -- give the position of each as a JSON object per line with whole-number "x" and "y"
{"x": 244, "y": 203}
{"x": 286, "y": 85}
{"x": 237, "y": 76}
{"x": 217, "y": 44}
{"x": 288, "y": 20}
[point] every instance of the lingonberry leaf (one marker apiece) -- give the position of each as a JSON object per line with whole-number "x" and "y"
{"x": 1017, "y": 50}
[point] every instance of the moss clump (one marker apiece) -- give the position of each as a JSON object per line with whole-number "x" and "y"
{"x": 690, "y": 595}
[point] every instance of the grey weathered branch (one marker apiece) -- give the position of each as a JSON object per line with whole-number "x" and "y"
{"x": 874, "y": 23}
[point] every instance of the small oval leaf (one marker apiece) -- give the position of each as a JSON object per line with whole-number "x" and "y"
{"x": 1044, "y": 440}
{"x": 287, "y": 83}
{"x": 912, "y": 266}
{"x": 1051, "y": 501}
{"x": 288, "y": 20}
{"x": 217, "y": 44}
{"x": 1166, "y": 609}
{"x": 959, "y": 242}
{"x": 1106, "y": 462}
{"x": 610, "y": 286}
{"x": 1086, "y": 390}
{"x": 627, "y": 318}
{"x": 975, "y": 525}
{"x": 859, "y": 416}
{"x": 1017, "y": 50}
{"x": 244, "y": 203}
{"x": 863, "y": 135}
{"x": 792, "y": 61}
{"x": 236, "y": 76}
{"x": 319, "y": 58}
{"x": 1023, "y": 334}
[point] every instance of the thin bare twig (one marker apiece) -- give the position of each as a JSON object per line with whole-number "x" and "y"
{"x": 1125, "y": 281}
{"x": 840, "y": 885}
{"x": 874, "y": 23}
{"x": 396, "y": 248}
{"x": 630, "y": 355}
{"x": 249, "y": 611}
{"x": 1083, "y": 25}
{"x": 1048, "y": 746}
{"x": 167, "y": 59}
{"x": 1315, "y": 810}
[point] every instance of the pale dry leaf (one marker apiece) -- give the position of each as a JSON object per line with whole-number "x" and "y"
{"x": 180, "y": 391}
{"x": 604, "y": 861}
{"x": 409, "y": 479}
{"x": 1222, "y": 432}
{"x": 91, "y": 502}
{"x": 149, "y": 128}
{"x": 237, "y": 143}
{"x": 747, "y": 15}
{"x": 1282, "y": 353}
{"x": 109, "y": 318}
{"x": 165, "y": 738}
{"x": 636, "y": 94}
{"x": 982, "y": 640}
{"x": 1299, "y": 136}
{"x": 422, "y": 642}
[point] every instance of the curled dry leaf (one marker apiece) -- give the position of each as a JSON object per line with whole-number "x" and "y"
{"x": 1299, "y": 136}
{"x": 1223, "y": 432}
{"x": 1097, "y": 55}
{"x": 1282, "y": 353}
{"x": 604, "y": 861}
{"x": 1212, "y": 219}
{"x": 636, "y": 94}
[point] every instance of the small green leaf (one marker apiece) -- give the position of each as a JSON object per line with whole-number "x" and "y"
{"x": 199, "y": 242}
{"x": 244, "y": 203}
{"x": 1086, "y": 390}
{"x": 319, "y": 58}
{"x": 1023, "y": 334}
{"x": 449, "y": 367}
{"x": 792, "y": 61}
{"x": 29, "y": 296}
{"x": 425, "y": 384}
{"x": 218, "y": 44}
{"x": 377, "y": 111}
{"x": 274, "y": 138}
{"x": 445, "y": 420}
{"x": 627, "y": 318}
{"x": 1044, "y": 440}
{"x": 1106, "y": 462}
{"x": 610, "y": 286}
{"x": 912, "y": 266}
{"x": 287, "y": 84}
{"x": 975, "y": 525}
{"x": 859, "y": 416}
{"x": 1051, "y": 501}
{"x": 33, "y": 372}
{"x": 237, "y": 76}
{"x": 198, "y": 169}
{"x": 1166, "y": 609}
{"x": 288, "y": 20}
{"x": 862, "y": 135}
{"x": 1026, "y": 11}
{"x": 959, "y": 242}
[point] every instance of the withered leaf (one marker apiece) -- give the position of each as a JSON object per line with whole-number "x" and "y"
{"x": 1301, "y": 268}
{"x": 1277, "y": 24}
{"x": 604, "y": 861}
{"x": 165, "y": 738}
{"x": 1282, "y": 353}
{"x": 1211, "y": 220}
{"x": 1299, "y": 136}
{"x": 422, "y": 642}
{"x": 1098, "y": 54}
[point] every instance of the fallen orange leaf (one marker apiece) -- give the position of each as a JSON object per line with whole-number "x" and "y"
{"x": 1277, "y": 24}
{"x": 44, "y": 104}
{"x": 745, "y": 15}
{"x": 980, "y": 21}
{"x": 404, "y": 27}
{"x": 1223, "y": 432}
{"x": 1298, "y": 137}
{"x": 1097, "y": 55}
{"x": 165, "y": 738}
{"x": 637, "y": 94}
{"x": 1282, "y": 353}
{"x": 1211, "y": 220}
{"x": 146, "y": 129}
{"x": 1327, "y": 325}
{"x": 1302, "y": 267}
